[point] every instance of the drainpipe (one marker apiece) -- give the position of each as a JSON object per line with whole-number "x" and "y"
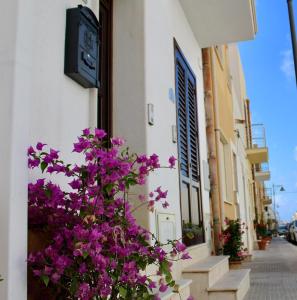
{"x": 211, "y": 132}
{"x": 249, "y": 145}
{"x": 293, "y": 34}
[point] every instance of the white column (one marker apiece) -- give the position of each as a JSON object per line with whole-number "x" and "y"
{"x": 15, "y": 89}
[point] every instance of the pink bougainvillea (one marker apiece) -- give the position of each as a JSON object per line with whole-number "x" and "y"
{"x": 96, "y": 249}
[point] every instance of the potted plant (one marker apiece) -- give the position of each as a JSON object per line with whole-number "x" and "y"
{"x": 262, "y": 235}
{"x": 232, "y": 240}
{"x": 192, "y": 234}
{"x": 84, "y": 242}
{"x": 261, "y": 230}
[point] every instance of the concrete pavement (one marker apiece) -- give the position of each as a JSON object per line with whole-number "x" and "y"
{"x": 274, "y": 272}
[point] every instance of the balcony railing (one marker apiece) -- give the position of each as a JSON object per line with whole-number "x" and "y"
{"x": 268, "y": 192}
{"x": 267, "y": 199}
{"x": 262, "y": 172}
{"x": 258, "y": 136}
{"x": 257, "y": 151}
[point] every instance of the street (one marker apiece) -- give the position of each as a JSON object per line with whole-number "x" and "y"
{"x": 274, "y": 272}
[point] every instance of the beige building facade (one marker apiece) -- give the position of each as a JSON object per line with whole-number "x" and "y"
{"x": 237, "y": 150}
{"x": 231, "y": 172}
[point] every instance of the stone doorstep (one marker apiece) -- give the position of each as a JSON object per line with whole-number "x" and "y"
{"x": 171, "y": 292}
{"x": 206, "y": 265}
{"x": 231, "y": 282}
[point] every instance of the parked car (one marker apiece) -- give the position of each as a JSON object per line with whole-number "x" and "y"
{"x": 282, "y": 230}
{"x": 293, "y": 232}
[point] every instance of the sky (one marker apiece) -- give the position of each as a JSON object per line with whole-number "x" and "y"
{"x": 271, "y": 88}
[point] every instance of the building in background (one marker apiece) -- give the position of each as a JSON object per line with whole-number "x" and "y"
{"x": 228, "y": 127}
{"x": 257, "y": 154}
{"x": 150, "y": 92}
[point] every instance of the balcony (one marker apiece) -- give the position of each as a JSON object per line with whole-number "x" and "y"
{"x": 216, "y": 22}
{"x": 267, "y": 201}
{"x": 257, "y": 153}
{"x": 262, "y": 172}
{"x": 267, "y": 197}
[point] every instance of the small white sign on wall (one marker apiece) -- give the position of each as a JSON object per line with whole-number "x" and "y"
{"x": 166, "y": 227}
{"x": 206, "y": 179}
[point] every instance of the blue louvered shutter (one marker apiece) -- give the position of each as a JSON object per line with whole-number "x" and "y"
{"x": 188, "y": 142}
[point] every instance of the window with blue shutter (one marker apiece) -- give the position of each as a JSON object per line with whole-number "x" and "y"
{"x": 188, "y": 148}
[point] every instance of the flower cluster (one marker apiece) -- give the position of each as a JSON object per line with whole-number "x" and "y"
{"x": 95, "y": 248}
{"x": 231, "y": 238}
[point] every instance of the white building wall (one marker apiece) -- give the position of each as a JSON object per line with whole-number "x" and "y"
{"x": 38, "y": 102}
{"x": 144, "y": 73}
{"x": 162, "y": 26}
{"x": 243, "y": 195}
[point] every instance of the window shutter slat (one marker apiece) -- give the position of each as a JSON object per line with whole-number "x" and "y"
{"x": 193, "y": 134}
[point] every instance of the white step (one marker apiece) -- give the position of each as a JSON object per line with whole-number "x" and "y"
{"x": 205, "y": 273}
{"x": 232, "y": 286}
{"x": 181, "y": 291}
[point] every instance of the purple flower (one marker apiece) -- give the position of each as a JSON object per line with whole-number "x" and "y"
{"x": 47, "y": 270}
{"x": 185, "y": 256}
{"x": 55, "y": 277}
{"x": 172, "y": 160}
{"x": 84, "y": 291}
{"x": 165, "y": 204}
{"x": 180, "y": 247}
{"x": 37, "y": 272}
{"x": 82, "y": 268}
{"x": 163, "y": 288}
{"x": 99, "y": 133}
{"x": 93, "y": 234}
{"x": 86, "y": 131}
{"x": 141, "y": 159}
{"x": 117, "y": 141}
{"x": 54, "y": 154}
{"x": 30, "y": 151}
{"x": 81, "y": 145}
{"x": 40, "y": 146}
{"x": 152, "y": 285}
{"x": 33, "y": 163}
{"x": 75, "y": 184}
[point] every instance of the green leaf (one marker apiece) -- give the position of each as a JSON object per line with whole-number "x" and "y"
{"x": 48, "y": 193}
{"x": 168, "y": 278}
{"x": 84, "y": 174}
{"x": 164, "y": 268}
{"x": 43, "y": 166}
{"x": 108, "y": 188}
{"x": 172, "y": 283}
{"x": 73, "y": 286}
{"x": 45, "y": 279}
{"x": 85, "y": 254}
{"x": 123, "y": 292}
{"x": 190, "y": 235}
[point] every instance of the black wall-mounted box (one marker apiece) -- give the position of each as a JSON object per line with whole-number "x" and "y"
{"x": 81, "y": 46}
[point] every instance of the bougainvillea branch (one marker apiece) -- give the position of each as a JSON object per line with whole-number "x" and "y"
{"x": 96, "y": 250}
